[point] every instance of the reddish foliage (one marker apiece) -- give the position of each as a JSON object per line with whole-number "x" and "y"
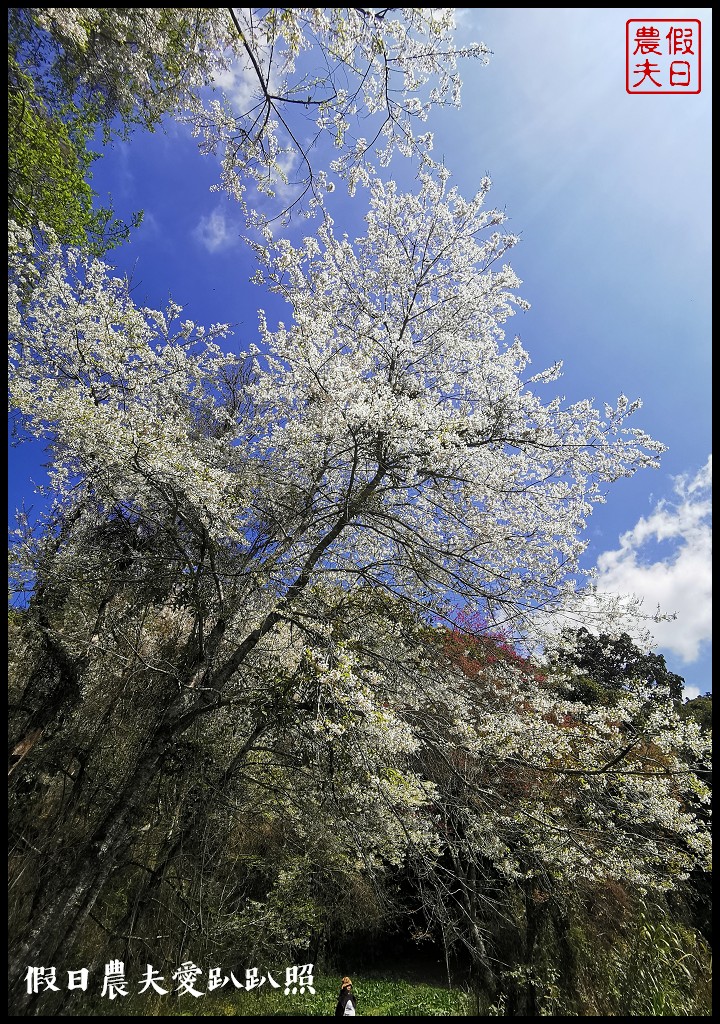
{"x": 473, "y": 646}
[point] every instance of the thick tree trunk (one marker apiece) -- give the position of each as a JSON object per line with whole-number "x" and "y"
{"x": 60, "y": 918}
{"x": 63, "y": 914}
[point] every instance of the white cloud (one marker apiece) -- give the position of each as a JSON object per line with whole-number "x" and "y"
{"x": 240, "y": 85}
{"x": 679, "y": 583}
{"x": 150, "y": 224}
{"x": 214, "y": 232}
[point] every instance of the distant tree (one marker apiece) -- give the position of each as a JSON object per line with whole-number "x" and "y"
{"x": 603, "y": 665}
{"x": 699, "y": 709}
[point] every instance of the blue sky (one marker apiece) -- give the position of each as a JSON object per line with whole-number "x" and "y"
{"x": 610, "y": 195}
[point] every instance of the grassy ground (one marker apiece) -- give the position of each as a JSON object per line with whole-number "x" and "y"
{"x": 376, "y": 997}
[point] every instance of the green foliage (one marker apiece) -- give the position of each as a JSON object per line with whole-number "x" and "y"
{"x": 48, "y": 173}
{"x": 605, "y": 664}
{"x": 700, "y": 710}
{"x": 635, "y": 962}
{"x": 50, "y": 137}
{"x": 382, "y": 998}
{"x": 667, "y": 973}
{"x": 543, "y": 982}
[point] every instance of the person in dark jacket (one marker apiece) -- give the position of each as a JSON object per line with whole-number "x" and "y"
{"x": 346, "y": 1000}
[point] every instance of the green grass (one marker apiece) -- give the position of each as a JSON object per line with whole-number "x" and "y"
{"x": 376, "y": 997}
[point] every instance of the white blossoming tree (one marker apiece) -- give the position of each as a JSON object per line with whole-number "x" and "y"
{"x": 554, "y": 797}
{"x": 239, "y": 580}
{"x": 263, "y": 89}
{"x": 385, "y": 439}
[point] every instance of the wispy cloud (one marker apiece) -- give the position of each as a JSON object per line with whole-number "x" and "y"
{"x": 240, "y": 85}
{"x": 680, "y": 581}
{"x": 215, "y": 233}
